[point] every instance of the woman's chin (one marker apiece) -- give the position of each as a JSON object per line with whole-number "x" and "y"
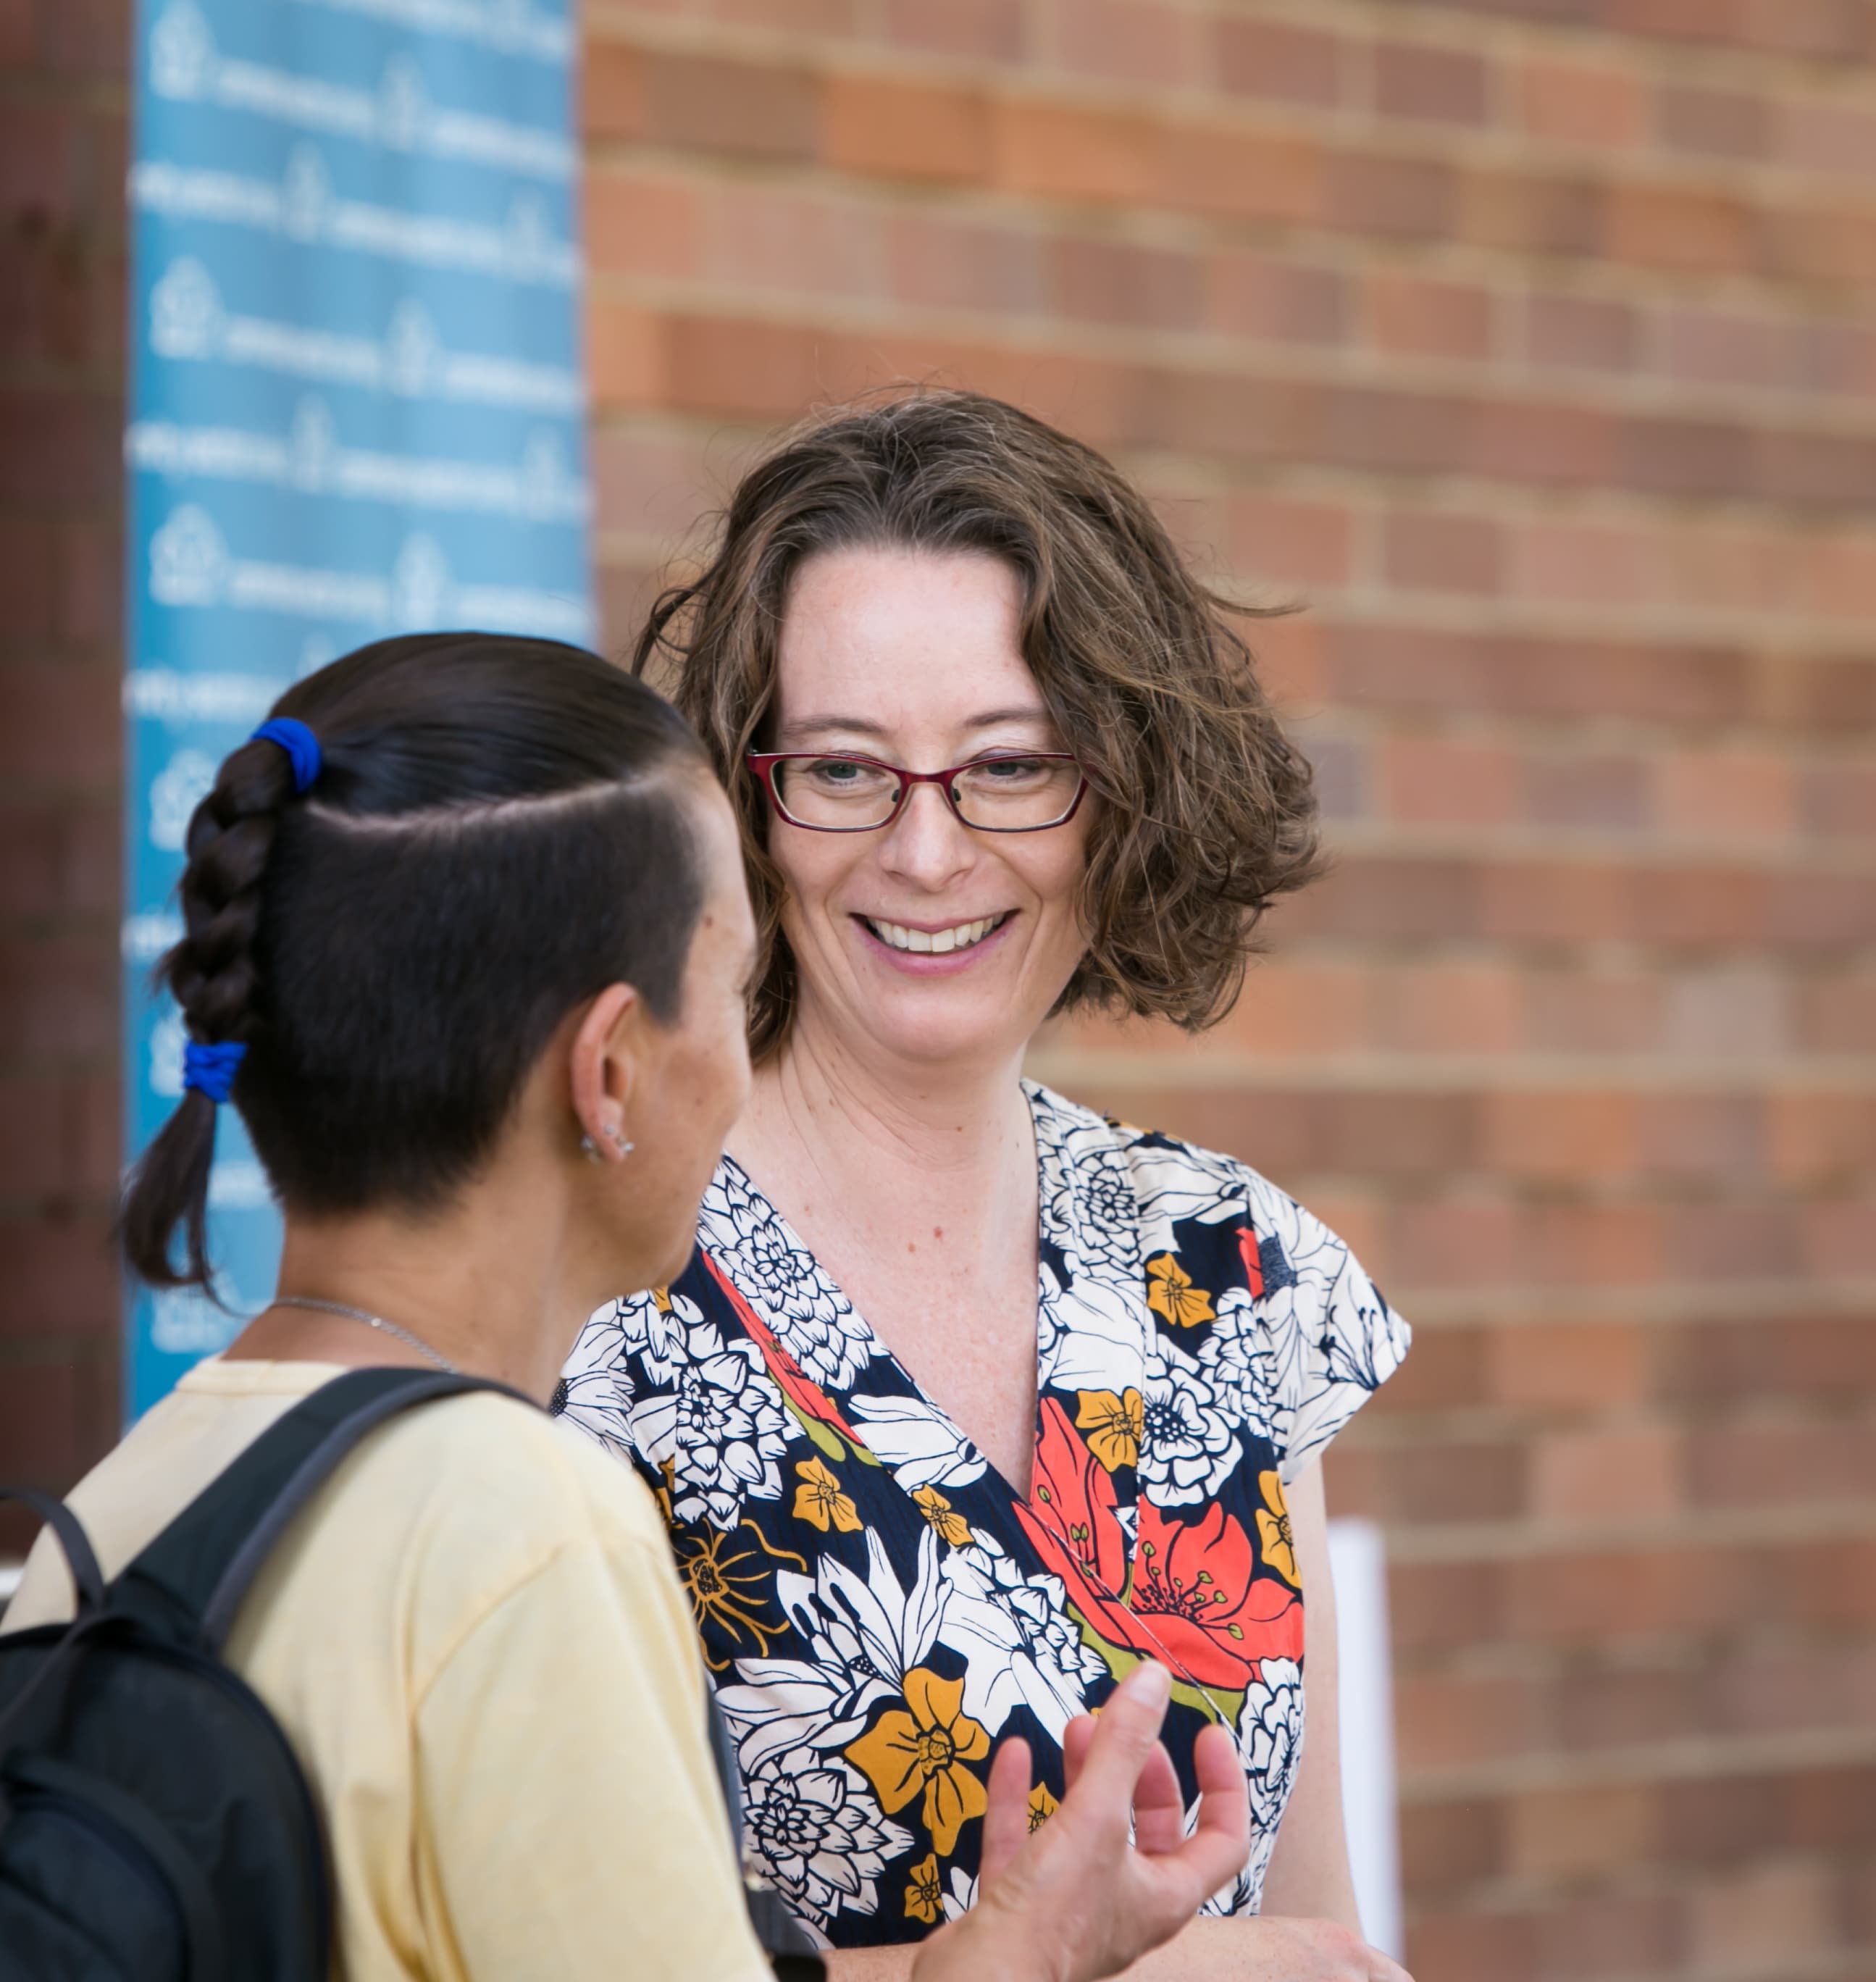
{"x": 939, "y": 1031}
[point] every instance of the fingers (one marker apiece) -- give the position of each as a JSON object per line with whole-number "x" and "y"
{"x": 1125, "y": 1735}
{"x": 1215, "y": 1853}
{"x": 1224, "y": 1803}
{"x": 1075, "y": 1738}
{"x": 1006, "y": 1821}
{"x": 1159, "y": 1806}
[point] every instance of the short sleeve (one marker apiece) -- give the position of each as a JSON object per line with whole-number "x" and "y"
{"x": 1333, "y": 1339}
{"x": 567, "y": 1787}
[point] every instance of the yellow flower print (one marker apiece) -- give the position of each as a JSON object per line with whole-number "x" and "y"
{"x": 1173, "y": 1294}
{"x": 1113, "y": 1424}
{"x": 725, "y": 1580}
{"x": 1278, "y": 1545}
{"x": 950, "y": 1525}
{"x": 926, "y": 1749}
{"x": 820, "y": 1500}
{"x": 923, "y": 1899}
{"x": 1042, "y": 1806}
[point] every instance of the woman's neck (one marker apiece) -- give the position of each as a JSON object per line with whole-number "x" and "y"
{"x": 854, "y": 1123}
{"x": 487, "y": 1284}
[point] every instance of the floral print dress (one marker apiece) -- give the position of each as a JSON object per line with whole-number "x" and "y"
{"x": 878, "y": 1606}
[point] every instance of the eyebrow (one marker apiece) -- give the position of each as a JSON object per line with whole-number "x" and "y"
{"x": 859, "y": 726}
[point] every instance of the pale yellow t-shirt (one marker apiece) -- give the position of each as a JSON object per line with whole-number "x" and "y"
{"x": 475, "y": 1640}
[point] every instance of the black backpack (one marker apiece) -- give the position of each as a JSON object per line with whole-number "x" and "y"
{"x": 155, "y": 1824}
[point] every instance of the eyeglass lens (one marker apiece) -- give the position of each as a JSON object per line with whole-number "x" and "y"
{"x": 1001, "y": 794}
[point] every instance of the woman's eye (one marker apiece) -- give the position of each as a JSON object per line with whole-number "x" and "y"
{"x": 1009, "y": 770}
{"x": 841, "y": 774}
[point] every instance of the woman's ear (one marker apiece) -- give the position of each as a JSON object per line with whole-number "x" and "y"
{"x": 609, "y": 1065}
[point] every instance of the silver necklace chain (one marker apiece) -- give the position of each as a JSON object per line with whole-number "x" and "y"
{"x": 376, "y": 1321}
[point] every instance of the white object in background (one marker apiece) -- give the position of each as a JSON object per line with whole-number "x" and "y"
{"x": 1357, "y": 1562}
{"x": 10, "y": 1573}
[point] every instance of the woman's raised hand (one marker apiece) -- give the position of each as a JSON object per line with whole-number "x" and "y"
{"x": 1078, "y": 1900}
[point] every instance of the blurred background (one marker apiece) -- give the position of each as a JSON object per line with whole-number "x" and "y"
{"x": 1530, "y": 344}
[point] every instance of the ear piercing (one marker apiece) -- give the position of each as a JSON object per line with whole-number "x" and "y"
{"x": 615, "y": 1137}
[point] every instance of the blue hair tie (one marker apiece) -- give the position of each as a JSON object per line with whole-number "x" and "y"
{"x": 210, "y": 1070}
{"x": 300, "y": 744}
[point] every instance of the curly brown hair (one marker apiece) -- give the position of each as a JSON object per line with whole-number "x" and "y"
{"x": 1207, "y": 811}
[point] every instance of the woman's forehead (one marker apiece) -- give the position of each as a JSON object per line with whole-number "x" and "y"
{"x": 876, "y": 642}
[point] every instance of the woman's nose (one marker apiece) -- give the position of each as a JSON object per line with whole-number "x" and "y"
{"x": 927, "y": 844}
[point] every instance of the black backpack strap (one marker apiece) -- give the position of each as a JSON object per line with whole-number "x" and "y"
{"x": 86, "y": 1577}
{"x": 191, "y": 1579}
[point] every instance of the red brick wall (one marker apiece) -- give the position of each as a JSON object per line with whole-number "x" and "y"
{"x": 1532, "y": 342}
{"x": 63, "y": 127}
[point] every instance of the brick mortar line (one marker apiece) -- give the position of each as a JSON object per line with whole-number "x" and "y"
{"x": 1652, "y": 851}
{"x": 1697, "y": 1759}
{"x": 1347, "y": 249}
{"x": 1524, "y": 1540}
{"x": 1769, "y": 639}
{"x": 1368, "y": 493}
{"x": 1204, "y": 1067}
{"x": 1276, "y": 362}
{"x": 1628, "y": 47}
{"x": 1651, "y": 1304}
{"x": 1417, "y": 140}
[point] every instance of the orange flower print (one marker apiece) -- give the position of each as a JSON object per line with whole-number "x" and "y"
{"x": 819, "y": 1499}
{"x": 949, "y": 1525}
{"x": 1042, "y": 1806}
{"x": 1172, "y": 1293}
{"x": 923, "y": 1899}
{"x": 1277, "y": 1545}
{"x": 1113, "y": 1425}
{"x": 926, "y": 1748}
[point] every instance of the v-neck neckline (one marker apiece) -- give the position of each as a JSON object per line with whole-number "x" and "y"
{"x": 1062, "y": 1228}
{"x": 880, "y": 1349}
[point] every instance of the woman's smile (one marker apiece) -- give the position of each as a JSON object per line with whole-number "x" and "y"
{"x": 929, "y": 949}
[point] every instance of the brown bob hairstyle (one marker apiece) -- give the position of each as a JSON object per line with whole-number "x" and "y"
{"x": 1206, "y": 810}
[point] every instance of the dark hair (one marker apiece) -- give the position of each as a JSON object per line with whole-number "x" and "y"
{"x": 493, "y": 837}
{"x": 1208, "y": 812}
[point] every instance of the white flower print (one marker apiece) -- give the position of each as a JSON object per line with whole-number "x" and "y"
{"x": 1365, "y": 1340}
{"x": 1292, "y": 1342}
{"x": 720, "y": 1424}
{"x": 595, "y": 1390}
{"x": 818, "y": 1833}
{"x": 863, "y": 1637}
{"x": 1091, "y": 1332}
{"x": 1236, "y": 1359}
{"x": 1269, "y": 1738}
{"x": 814, "y": 1321}
{"x": 959, "y": 1895}
{"x": 1176, "y": 1185}
{"x": 1087, "y": 1206}
{"x": 1015, "y": 1633}
{"x": 1190, "y": 1443}
{"x": 918, "y": 1442}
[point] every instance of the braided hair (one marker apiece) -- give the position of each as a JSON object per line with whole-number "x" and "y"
{"x": 493, "y": 835}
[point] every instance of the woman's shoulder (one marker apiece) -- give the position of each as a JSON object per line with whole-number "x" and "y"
{"x": 1234, "y": 1264}
{"x": 1177, "y": 1183}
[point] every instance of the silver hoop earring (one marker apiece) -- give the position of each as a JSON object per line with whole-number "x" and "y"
{"x": 617, "y": 1138}
{"x": 590, "y": 1150}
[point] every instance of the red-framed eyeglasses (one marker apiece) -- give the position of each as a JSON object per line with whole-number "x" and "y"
{"x": 829, "y": 792}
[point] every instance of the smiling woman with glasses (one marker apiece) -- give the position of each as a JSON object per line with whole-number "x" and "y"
{"x": 860, "y": 795}
{"x": 970, "y": 1399}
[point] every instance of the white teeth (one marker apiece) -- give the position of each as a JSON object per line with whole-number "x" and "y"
{"x": 937, "y": 944}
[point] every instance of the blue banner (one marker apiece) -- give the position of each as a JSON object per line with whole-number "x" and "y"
{"x": 357, "y": 409}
